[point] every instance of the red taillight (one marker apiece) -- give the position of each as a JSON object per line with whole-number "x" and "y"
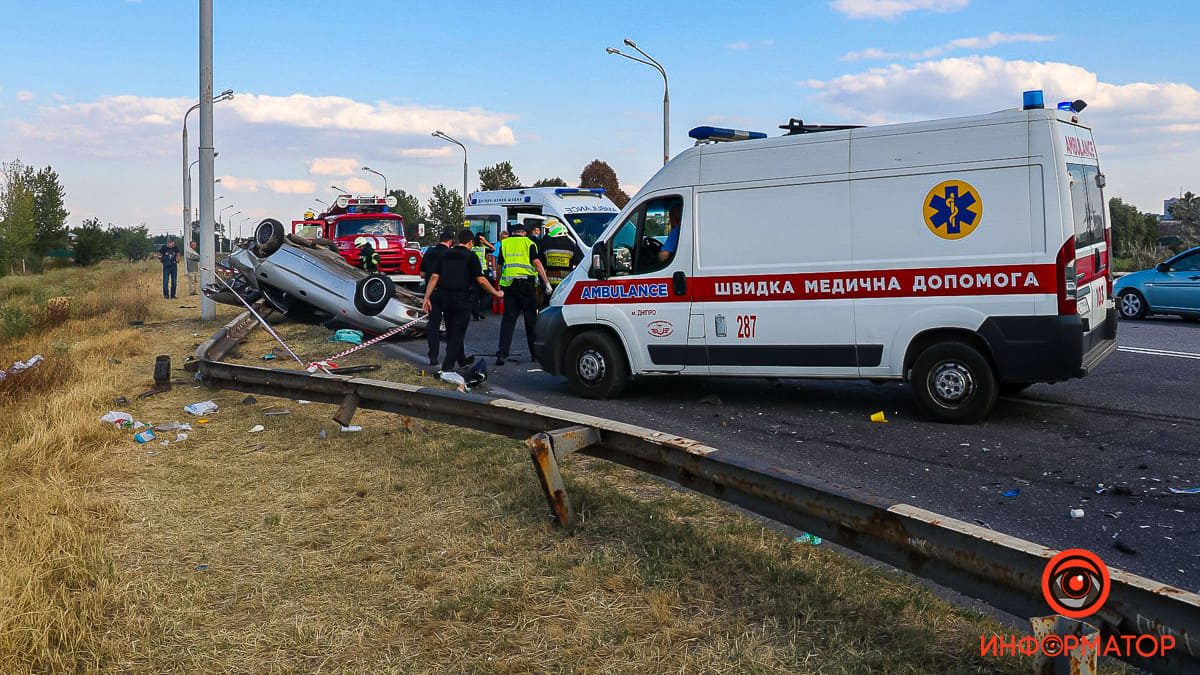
{"x": 1065, "y": 264}
{"x": 1108, "y": 276}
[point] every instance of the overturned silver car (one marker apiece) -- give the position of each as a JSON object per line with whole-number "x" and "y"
{"x": 309, "y": 281}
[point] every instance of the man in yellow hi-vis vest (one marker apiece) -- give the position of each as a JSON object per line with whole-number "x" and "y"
{"x": 520, "y": 269}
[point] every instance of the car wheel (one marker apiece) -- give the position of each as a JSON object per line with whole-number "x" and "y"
{"x": 372, "y": 294}
{"x": 1132, "y": 305}
{"x": 596, "y": 366}
{"x": 268, "y": 236}
{"x": 953, "y": 382}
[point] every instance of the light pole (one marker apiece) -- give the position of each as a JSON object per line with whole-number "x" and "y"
{"x": 370, "y": 170}
{"x": 224, "y": 229}
{"x": 340, "y": 191}
{"x": 187, "y": 178}
{"x": 444, "y": 137}
{"x": 649, "y": 60}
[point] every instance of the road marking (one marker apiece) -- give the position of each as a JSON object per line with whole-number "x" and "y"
{"x": 1159, "y": 352}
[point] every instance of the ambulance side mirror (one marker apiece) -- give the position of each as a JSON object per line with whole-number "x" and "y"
{"x": 599, "y": 268}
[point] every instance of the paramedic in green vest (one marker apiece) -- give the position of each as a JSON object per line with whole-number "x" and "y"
{"x": 482, "y": 248}
{"x": 560, "y": 253}
{"x": 520, "y": 269}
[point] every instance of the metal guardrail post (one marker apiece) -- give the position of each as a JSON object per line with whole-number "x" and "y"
{"x": 546, "y": 448}
{"x": 1077, "y": 661}
{"x": 346, "y": 411}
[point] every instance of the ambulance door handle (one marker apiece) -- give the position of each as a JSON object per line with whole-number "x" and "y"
{"x": 679, "y": 283}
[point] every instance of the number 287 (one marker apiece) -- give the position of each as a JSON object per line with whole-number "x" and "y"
{"x": 746, "y": 325}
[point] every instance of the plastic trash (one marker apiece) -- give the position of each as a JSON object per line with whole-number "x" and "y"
{"x": 321, "y": 435}
{"x": 453, "y": 378}
{"x": 809, "y": 539}
{"x": 1185, "y": 491}
{"x": 202, "y": 408}
{"x": 117, "y": 418}
{"x": 268, "y": 357}
{"x": 1012, "y": 493}
{"x": 1076, "y": 513}
{"x": 19, "y": 366}
{"x": 173, "y": 426}
{"x": 878, "y": 417}
{"x": 352, "y": 427}
{"x": 354, "y": 337}
{"x": 145, "y": 436}
{"x": 179, "y": 438}
{"x": 256, "y": 428}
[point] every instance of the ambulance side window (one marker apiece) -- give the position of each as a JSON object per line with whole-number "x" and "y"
{"x": 646, "y": 241}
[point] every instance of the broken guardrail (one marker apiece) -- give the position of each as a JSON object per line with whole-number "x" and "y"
{"x": 1001, "y": 570}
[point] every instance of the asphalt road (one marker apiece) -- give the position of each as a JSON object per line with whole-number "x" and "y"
{"x": 1130, "y": 429}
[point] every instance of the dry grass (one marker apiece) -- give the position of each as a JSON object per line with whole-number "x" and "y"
{"x": 427, "y": 549}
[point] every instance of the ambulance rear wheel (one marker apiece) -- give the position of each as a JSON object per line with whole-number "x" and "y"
{"x": 268, "y": 236}
{"x": 952, "y": 382}
{"x": 596, "y": 365}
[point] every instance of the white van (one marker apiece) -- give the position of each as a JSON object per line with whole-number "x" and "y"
{"x": 967, "y": 256}
{"x": 585, "y": 211}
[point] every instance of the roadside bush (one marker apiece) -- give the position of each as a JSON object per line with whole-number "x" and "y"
{"x": 14, "y": 321}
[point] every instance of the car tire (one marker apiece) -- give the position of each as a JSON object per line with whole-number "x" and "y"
{"x": 953, "y": 382}
{"x": 596, "y": 366}
{"x": 373, "y": 293}
{"x": 268, "y": 237}
{"x": 1131, "y": 305}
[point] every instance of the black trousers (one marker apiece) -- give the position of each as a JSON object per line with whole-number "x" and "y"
{"x": 434, "y": 325}
{"x": 456, "y": 308}
{"x": 170, "y": 274}
{"x": 520, "y": 298}
{"x": 481, "y": 300}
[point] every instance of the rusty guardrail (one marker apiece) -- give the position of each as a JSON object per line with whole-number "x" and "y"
{"x": 999, "y": 569}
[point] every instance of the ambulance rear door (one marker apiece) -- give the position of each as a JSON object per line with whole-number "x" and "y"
{"x": 1090, "y": 218}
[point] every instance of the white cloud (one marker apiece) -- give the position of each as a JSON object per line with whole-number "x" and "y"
{"x": 990, "y": 40}
{"x": 24, "y": 96}
{"x": 428, "y": 153}
{"x": 1148, "y": 132}
{"x": 890, "y": 9}
{"x": 332, "y": 166}
{"x": 276, "y": 185}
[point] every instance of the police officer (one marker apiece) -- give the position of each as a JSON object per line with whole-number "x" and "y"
{"x": 481, "y": 247}
{"x": 560, "y": 253}
{"x": 520, "y": 268}
{"x": 433, "y": 326}
{"x": 367, "y": 255}
{"x": 451, "y": 279}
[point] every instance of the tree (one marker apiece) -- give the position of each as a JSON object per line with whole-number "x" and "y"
{"x": 445, "y": 208}
{"x": 50, "y": 218}
{"x": 1186, "y": 210}
{"x": 92, "y": 243}
{"x": 1131, "y": 229}
{"x": 498, "y": 177}
{"x": 409, "y": 208}
{"x": 600, "y": 175}
{"x": 551, "y": 182}
{"x": 134, "y": 243}
{"x": 18, "y": 216}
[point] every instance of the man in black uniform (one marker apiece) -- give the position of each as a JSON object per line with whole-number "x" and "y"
{"x": 451, "y": 278}
{"x": 434, "y": 326}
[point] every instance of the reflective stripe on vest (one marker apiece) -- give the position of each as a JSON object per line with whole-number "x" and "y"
{"x": 481, "y": 253}
{"x": 516, "y": 260}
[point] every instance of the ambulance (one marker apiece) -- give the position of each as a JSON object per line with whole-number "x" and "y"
{"x": 585, "y": 211}
{"x": 968, "y": 257}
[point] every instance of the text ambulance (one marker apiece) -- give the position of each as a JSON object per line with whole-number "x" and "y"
{"x": 967, "y": 256}
{"x": 585, "y": 211}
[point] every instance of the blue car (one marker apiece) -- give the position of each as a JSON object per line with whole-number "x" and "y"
{"x": 1170, "y": 287}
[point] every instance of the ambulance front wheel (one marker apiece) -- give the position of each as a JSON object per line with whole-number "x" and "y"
{"x": 953, "y": 382}
{"x": 596, "y": 366}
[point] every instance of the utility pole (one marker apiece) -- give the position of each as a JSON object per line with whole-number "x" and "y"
{"x": 208, "y": 308}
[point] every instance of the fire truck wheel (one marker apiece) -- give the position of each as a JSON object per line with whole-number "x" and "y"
{"x": 952, "y": 382}
{"x": 372, "y": 294}
{"x": 268, "y": 236}
{"x": 596, "y": 366}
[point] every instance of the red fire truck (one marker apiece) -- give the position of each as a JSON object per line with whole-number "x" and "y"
{"x": 353, "y": 217}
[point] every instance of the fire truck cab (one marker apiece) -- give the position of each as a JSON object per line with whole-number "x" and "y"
{"x": 353, "y": 217}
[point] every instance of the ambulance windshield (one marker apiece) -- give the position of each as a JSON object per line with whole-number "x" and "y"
{"x": 350, "y": 228}
{"x": 589, "y": 226}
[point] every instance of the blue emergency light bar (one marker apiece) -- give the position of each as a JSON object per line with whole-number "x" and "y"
{"x": 1033, "y": 99}
{"x": 579, "y": 191}
{"x": 719, "y": 134}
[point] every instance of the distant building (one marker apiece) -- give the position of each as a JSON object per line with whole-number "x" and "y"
{"x": 1168, "y": 226}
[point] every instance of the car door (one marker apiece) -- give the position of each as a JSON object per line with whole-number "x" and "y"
{"x": 1177, "y": 284}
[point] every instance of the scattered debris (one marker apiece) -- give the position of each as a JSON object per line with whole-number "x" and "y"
{"x": 321, "y": 435}
{"x": 173, "y": 426}
{"x": 202, "y": 408}
{"x": 179, "y": 438}
{"x": 352, "y": 427}
{"x": 350, "y": 370}
{"x": 268, "y": 357}
{"x": 120, "y": 400}
{"x": 144, "y": 436}
{"x": 878, "y": 417}
{"x": 810, "y": 539}
{"x": 249, "y": 400}
{"x": 301, "y": 401}
{"x": 1185, "y": 491}
{"x": 712, "y": 399}
{"x": 117, "y": 418}
{"x": 150, "y": 392}
{"x": 1012, "y": 493}
{"x": 136, "y": 323}
{"x": 201, "y": 568}
{"x": 982, "y": 523}
{"x": 354, "y": 337}
{"x": 453, "y": 378}
{"x": 116, "y": 361}
{"x": 1124, "y": 548}
{"x": 256, "y": 428}
{"x": 1076, "y": 513}
{"x": 279, "y": 412}
{"x": 20, "y": 366}
{"x": 165, "y": 443}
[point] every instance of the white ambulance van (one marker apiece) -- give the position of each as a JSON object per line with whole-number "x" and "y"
{"x": 585, "y": 211}
{"x": 969, "y": 257}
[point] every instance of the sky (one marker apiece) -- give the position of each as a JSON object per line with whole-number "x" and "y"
{"x": 97, "y": 89}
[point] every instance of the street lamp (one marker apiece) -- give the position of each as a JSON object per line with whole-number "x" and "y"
{"x": 340, "y": 191}
{"x": 222, "y": 210}
{"x": 649, "y": 60}
{"x": 187, "y": 181}
{"x": 444, "y": 137}
{"x": 370, "y": 170}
